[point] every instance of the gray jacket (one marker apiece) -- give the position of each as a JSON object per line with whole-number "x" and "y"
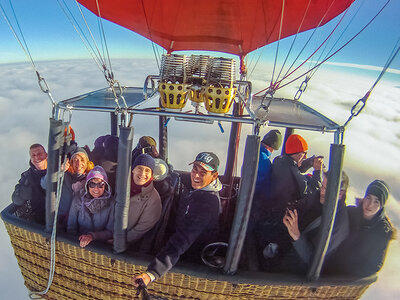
{"x": 92, "y": 215}
{"x": 144, "y": 212}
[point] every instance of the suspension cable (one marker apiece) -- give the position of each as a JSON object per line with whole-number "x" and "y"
{"x": 337, "y": 40}
{"x": 328, "y": 57}
{"x": 360, "y": 104}
{"x": 295, "y": 38}
{"x": 276, "y": 84}
{"x": 96, "y": 57}
{"x": 277, "y": 45}
{"x": 41, "y": 81}
{"x": 151, "y": 39}
{"x": 316, "y": 50}
{"x": 100, "y": 21}
{"x": 304, "y": 84}
{"x": 102, "y": 60}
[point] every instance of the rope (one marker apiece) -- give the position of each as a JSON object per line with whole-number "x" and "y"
{"x": 328, "y": 57}
{"x": 337, "y": 40}
{"x": 100, "y": 22}
{"x": 276, "y": 84}
{"x": 60, "y": 181}
{"x": 294, "y": 40}
{"x": 41, "y": 81}
{"x": 360, "y": 104}
{"x": 316, "y": 50}
{"x": 151, "y": 39}
{"x": 279, "y": 38}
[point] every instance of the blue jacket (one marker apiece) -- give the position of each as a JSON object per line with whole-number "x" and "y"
{"x": 264, "y": 172}
{"x": 197, "y": 216}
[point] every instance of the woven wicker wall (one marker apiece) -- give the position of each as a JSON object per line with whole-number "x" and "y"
{"x": 82, "y": 274}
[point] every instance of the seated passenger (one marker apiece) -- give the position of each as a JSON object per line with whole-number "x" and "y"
{"x": 299, "y": 257}
{"x": 28, "y": 196}
{"x": 145, "y": 203}
{"x": 92, "y": 210}
{"x": 98, "y": 151}
{"x": 364, "y": 251}
{"x": 74, "y": 180}
{"x": 197, "y": 217}
{"x": 146, "y": 144}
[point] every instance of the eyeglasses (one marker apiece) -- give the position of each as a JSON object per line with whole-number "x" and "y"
{"x": 100, "y": 185}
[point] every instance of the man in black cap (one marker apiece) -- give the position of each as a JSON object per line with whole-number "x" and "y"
{"x": 197, "y": 216}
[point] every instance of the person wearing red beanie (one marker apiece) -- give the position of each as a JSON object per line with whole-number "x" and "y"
{"x": 289, "y": 189}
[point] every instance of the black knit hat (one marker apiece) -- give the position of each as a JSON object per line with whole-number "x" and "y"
{"x": 379, "y": 189}
{"x": 144, "y": 160}
{"x": 273, "y": 139}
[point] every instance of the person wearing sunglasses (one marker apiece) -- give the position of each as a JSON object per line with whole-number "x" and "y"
{"x": 92, "y": 209}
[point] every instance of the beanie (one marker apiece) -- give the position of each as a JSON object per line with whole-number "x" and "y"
{"x": 379, "y": 189}
{"x": 295, "y": 144}
{"x": 80, "y": 151}
{"x": 273, "y": 139}
{"x": 144, "y": 160}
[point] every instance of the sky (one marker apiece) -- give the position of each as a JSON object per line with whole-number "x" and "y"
{"x": 372, "y": 139}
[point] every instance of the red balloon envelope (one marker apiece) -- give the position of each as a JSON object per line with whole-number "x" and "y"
{"x": 231, "y": 26}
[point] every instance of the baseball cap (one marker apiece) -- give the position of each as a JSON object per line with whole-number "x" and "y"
{"x": 208, "y": 160}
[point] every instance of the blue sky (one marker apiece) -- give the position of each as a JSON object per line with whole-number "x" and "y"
{"x": 50, "y": 35}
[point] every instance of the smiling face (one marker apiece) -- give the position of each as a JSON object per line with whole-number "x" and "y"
{"x": 141, "y": 174}
{"x": 38, "y": 158}
{"x": 79, "y": 163}
{"x": 371, "y": 206}
{"x": 96, "y": 187}
{"x": 200, "y": 177}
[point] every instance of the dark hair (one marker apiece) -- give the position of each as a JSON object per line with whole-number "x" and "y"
{"x": 33, "y": 146}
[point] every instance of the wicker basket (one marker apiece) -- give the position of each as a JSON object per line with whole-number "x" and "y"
{"x": 84, "y": 274}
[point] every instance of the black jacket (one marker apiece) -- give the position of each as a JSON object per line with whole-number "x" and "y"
{"x": 364, "y": 251}
{"x": 289, "y": 186}
{"x": 29, "y": 197}
{"x": 196, "y": 218}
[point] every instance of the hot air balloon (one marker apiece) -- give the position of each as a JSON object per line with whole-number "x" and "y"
{"x": 236, "y": 27}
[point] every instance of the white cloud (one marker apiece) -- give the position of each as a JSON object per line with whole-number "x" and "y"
{"x": 372, "y": 139}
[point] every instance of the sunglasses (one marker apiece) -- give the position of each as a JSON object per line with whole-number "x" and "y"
{"x": 100, "y": 185}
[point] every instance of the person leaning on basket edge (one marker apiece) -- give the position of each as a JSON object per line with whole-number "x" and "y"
{"x": 197, "y": 216}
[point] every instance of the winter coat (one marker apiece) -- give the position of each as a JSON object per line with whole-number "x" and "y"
{"x": 196, "y": 226}
{"x": 262, "y": 187}
{"x": 29, "y": 196}
{"x": 144, "y": 212}
{"x": 92, "y": 215}
{"x": 290, "y": 188}
{"x": 364, "y": 251}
